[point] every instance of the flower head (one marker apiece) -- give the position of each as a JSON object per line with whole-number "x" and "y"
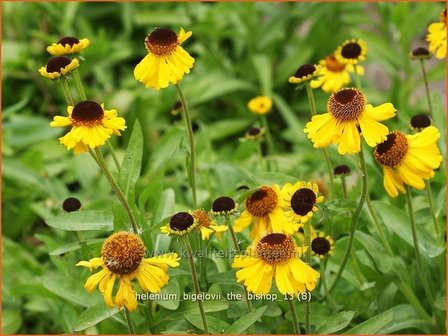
{"x": 305, "y": 73}
{"x": 341, "y": 170}
{"x": 275, "y": 256}
{"x": 420, "y": 53}
{"x": 224, "y": 206}
{"x": 167, "y": 62}
{"x": 321, "y": 245}
{"x": 180, "y": 224}
{"x": 254, "y": 133}
{"x": 334, "y": 75}
{"x": 91, "y": 125}
{"x": 122, "y": 259}
{"x": 71, "y": 204}
{"x": 68, "y": 45}
{"x": 301, "y": 200}
{"x": 58, "y": 66}
{"x": 437, "y": 36}
{"x": 408, "y": 159}
{"x": 264, "y": 208}
{"x": 348, "y": 110}
{"x": 260, "y": 105}
{"x": 206, "y": 225}
{"x": 419, "y": 122}
{"x": 351, "y": 51}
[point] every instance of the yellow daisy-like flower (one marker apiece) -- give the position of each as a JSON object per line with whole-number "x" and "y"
{"x": 301, "y": 235}
{"x": 122, "y": 259}
{"x": 408, "y": 159}
{"x": 207, "y": 226}
{"x": 334, "y": 75}
{"x": 437, "y": 36}
{"x": 260, "y": 105}
{"x": 348, "y": 110}
{"x": 167, "y": 62}
{"x": 275, "y": 256}
{"x": 91, "y": 125}
{"x": 305, "y": 73}
{"x": 68, "y": 45}
{"x": 321, "y": 245}
{"x": 301, "y": 199}
{"x": 264, "y": 208}
{"x": 255, "y": 133}
{"x": 180, "y": 224}
{"x": 224, "y": 206}
{"x": 351, "y": 51}
{"x": 58, "y": 66}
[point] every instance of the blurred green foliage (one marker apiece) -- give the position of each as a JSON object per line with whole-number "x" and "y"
{"x": 241, "y": 50}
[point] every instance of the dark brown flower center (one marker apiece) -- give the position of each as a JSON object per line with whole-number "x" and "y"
{"x": 87, "y": 113}
{"x": 303, "y": 201}
{"x": 70, "y": 40}
{"x": 305, "y": 70}
{"x": 333, "y": 65}
{"x": 392, "y": 151}
{"x": 341, "y": 170}
{"x": 161, "y": 41}
{"x": 242, "y": 187}
{"x": 320, "y": 246}
{"x": 346, "y": 104}
{"x": 262, "y": 202}
{"x": 420, "y": 121}
{"x": 123, "y": 252}
{"x": 420, "y": 52}
{"x": 223, "y": 204}
{"x": 275, "y": 248}
{"x": 181, "y": 221}
{"x": 71, "y": 204}
{"x": 55, "y": 64}
{"x": 351, "y": 50}
{"x": 253, "y": 131}
{"x": 202, "y": 218}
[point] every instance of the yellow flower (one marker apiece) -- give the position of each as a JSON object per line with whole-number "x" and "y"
{"x": 264, "y": 208}
{"x": 260, "y": 105}
{"x": 255, "y": 133}
{"x": 305, "y": 73}
{"x": 334, "y": 75}
{"x": 437, "y": 36}
{"x": 207, "y": 226}
{"x": 275, "y": 256}
{"x": 166, "y": 62}
{"x": 58, "y": 66}
{"x": 408, "y": 159}
{"x": 347, "y": 109}
{"x": 122, "y": 259}
{"x": 180, "y": 224}
{"x": 301, "y": 199}
{"x": 91, "y": 126}
{"x": 321, "y": 245}
{"x": 351, "y": 51}
{"x": 68, "y": 45}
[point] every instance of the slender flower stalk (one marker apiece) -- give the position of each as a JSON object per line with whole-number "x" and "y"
{"x": 66, "y": 89}
{"x": 428, "y": 96}
{"x": 269, "y": 141}
{"x": 127, "y": 317}
{"x": 312, "y": 103}
{"x": 355, "y": 218}
{"x": 378, "y": 226}
{"x": 344, "y": 187}
{"x": 295, "y": 321}
{"x": 192, "y": 168}
{"x": 431, "y": 207}
{"x": 79, "y": 86}
{"x": 100, "y": 160}
{"x": 308, "y": 260}
{"x": 195, "y": 281}
{"x": 323, "y": 280}
{"x": 420, "y": 269}
{"x": 357, "y": 77}
{"x": 114, "y": 156}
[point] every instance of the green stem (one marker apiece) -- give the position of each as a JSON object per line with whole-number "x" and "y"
{"x": 354, "y": 222}
{"x": 344, "y": 187}
{"x": 192, "y": 170}
{"x": 260, "y": 154}
{"x": 295, "y": 321}
{"x": 116, "y": 188}
{"x": 79, "y": 86}
{"x": 270, "y": 142}
{"x": 357, "y": 77}
{"x": 431, "y": 207}
{"x": 195, "y": 281}
{"x": 308, "y": 260}
{"x": 420, "y": 269}
{"x": 428, "y": 96}
{"x": 323, "y": 280}
{"x": 149, "y": 318}
{"x": 313, "y": 110}
{"x": 378, "y": 226}
{"x": 127, "y": 317}
{"x": 66, "y": 89}
{"x": 203, "y": 282}
{"x": 414, "y": 300}
{"x": 114, "y": 157}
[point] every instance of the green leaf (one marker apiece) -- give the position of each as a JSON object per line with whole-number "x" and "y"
{"x": 263, "y": 68}
{"x": 225, "y": 128}
{"x": 372, "y": 325}
{"x": 94, "y": 315}
{"x": 404, "y": 317}
{"x": 82, "y": 221}
{"x": 215, "y": 325}
{"x": 11, "y": 321}
{"x": 244, "y": 322}
{"x": 74, "y": 246}
{"x": 189, "y": 307}
{"x": 335, "y": 323}
{"x": 171, "y": 288}
{"x": 132, "y": 162}
{"x": 375, "y": 250}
